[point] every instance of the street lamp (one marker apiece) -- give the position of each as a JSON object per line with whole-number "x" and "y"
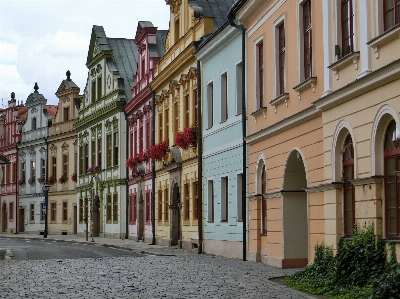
{"x": 46, "y": 187}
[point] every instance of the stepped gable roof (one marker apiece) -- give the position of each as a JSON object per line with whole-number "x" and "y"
{"x": 52, "y": 110}
{"x": 125, "y": 53}
{"x": 217, "y": 9}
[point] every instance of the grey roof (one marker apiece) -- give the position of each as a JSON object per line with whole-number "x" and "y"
{"x": 145, "y": 24}
{"x": 124, "y": 53}
{"x": 71, "y": 83}
{"x": 158, "y": 49}
{"x": 218, "y": 9}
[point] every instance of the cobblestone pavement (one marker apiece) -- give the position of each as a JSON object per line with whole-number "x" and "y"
{"x": 163, "y": 272}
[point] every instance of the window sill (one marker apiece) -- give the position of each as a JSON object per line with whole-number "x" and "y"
{"x": 279, "y": 100}
{"x": 392, "y": 239}
{"x": 345, "y": 61}
{"x": 210, "y": 221}
{"x": 306, "y": 84}
{"x": 263, "y": 234}
{"x": 259, "y": 111}
{"x": 384, "y": 38}
{"x": 224, "y": 221}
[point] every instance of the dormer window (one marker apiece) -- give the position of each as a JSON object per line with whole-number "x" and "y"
{"x": 34, "y": 123}
{"x": 66, "y": 114}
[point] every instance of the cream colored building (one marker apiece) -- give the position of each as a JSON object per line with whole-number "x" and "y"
{"x": 62, "y": 162}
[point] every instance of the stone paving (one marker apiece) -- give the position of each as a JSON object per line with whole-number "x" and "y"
{"x": 163, "y": 272}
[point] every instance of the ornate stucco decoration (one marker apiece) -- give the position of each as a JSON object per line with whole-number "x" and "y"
{"x": 115, "y": 124}
{"x": 64, "y": 147}
{"x": 108, "y": 81}
{"x": 108, "y": 126}
{"x": 93, "y": 130}
{"x": 166, "y": 44}
{"x": 34, "y": 110}
{"x": 42, "y": 152}
{"x": 193, "y": 76}
{"x": 93, "y": 72}
{"x": 75, "y": 145}
{"x": 99, "y": 128}
{"x": 32, "y": 153}
{"x": 53, "y": 150}
{"x": 174, "y": 5}
{"x": 98, "y": 68}
{"x": 85, "y": 137}
{"x": 142, "y": 48}
{"x": 96, "y": 49}
{"x": 23, "y": 156}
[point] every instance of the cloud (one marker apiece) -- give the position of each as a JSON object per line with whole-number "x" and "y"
{"x": 8, "y": 53}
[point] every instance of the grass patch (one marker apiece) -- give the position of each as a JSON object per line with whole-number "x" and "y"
{"x": 358, "y": 270}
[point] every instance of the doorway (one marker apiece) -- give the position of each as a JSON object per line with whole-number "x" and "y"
{"x": 175, "y": 216}
{"x": 96, "y": 216}
{"x": 140, "y": 226}
{"x": 21, "y": 220}
{"x": 295, "y": 218}
{"x": 4, "y": 217}
{"x": 75, "y": 220}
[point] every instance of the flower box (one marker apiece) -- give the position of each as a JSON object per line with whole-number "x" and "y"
{"x": 63, "y": 179}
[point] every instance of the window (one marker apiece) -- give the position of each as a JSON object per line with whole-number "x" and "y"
{"x": 14, "y": 172}
{"x": 224, "y": 199}
{"x": 187, "y": 111}
{"x": 176, "y": 118}
{"x": 11, "y": 211}
{"x": 166, "y": 131}
{"x": 109, "y": 150}
{"x": 66, "y": 113}
{"x": 264, "y": 201}
{"x": 99, "y": 88}
{"x": 34, "y": 124}
{"x": 307, "y": 39}
{"x": 195, "y": 200}
{"x": 53, "y": 211}
{"x": 147, "y": 206}
{"x": 65, "y": 165}
{"x": 109, "y": 208}
{"x": 143, "y": 68}
{"x": 210, "y": 201}
{"x": 23, "y": 171}
{"x": 32, "y": 212}
{"x": 187, "y": 201}
{"x": 348, "y": 175}
{"x": 347, "y": 26}
{"x": 93, "y": 152}
{"x": 166, "y": 203}
{"x": 260, "y": 74}
{"x": 42, "y": 167}
{"x": 210, "y": 104}
{"x": 148, "y": 134}
{"x": 239, "y": 179}
{"x": 99, "y": 157}
{"x": 176, "y": 27}
{"x": 75, "y": 161}
{"x": 81, "y": 158}
{"x": 194, "y": 100}
{"x": 65, "y": 211}
{"x": 116, "y": 147}
{"x": 392, "y": 182}
{"x": 281, "y": 59}
{"x": 54, "y": 166}
{"x": 86, "y": 156}
{"x": 130, "y": 209}
{"x": 86, "y": 209}
{"x": 224, "y": 97}
{"x": 115, "y": 207}
{"x": 239, "y": 88}
{"x": 81, "y": 210}
{"x": 33, "y": 170}
{"x": 391, "y": 9}
{"x": 141, "y": 138}
{"x": 134, "y": 208}
{"x": 42, "y": 212}
{"x": 160, "y": 128}
{"x": 160, "y": 205}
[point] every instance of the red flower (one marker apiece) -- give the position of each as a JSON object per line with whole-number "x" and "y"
{"x": 143, "y": 156}
{"x": 157, "y": 151}
{"x": 187, "y": 138}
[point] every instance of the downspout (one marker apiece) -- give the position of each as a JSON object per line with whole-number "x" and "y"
{"x": 199, "y": 162}
{"x": 153, "y": 169}
{"x": 127, "y": 185}
{"x": 16, "y": 190}
{"x": 231, "y": 17}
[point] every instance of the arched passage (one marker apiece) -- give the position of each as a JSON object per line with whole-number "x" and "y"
{"x": 295, "y": 224}
{"x": 175, "y": 215}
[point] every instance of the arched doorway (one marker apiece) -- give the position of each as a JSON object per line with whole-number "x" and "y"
{"x": 140, "y": 221}
{"x": 96, "y": 216}
{"x": 4, "y": 217}
{"x": 295, "y": 219}
{"x": 175, "y": 215}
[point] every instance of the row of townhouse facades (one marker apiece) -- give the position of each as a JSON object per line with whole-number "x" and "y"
{"x": 167, "y": 145}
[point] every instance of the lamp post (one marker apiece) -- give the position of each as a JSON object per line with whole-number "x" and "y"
{"x": 45, "y": 188}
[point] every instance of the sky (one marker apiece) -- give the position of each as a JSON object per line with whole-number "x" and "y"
{"x": 41, "y": 39}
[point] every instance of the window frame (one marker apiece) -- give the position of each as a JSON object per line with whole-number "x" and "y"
{"x": 210, "y": 104}
{"x": 224, "y": 96}
{"x": 350, "y": 19}
{"x": 396, "y": 11}
{"x": 347, "y": 185}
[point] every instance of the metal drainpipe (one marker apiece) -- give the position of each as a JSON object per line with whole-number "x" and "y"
{"x": 16, "y": 190}
{"x": 127, "y": 185}
{"x": 231, "y": 15}
{"x": 153, "y": 168}
{"x": 200, "y": 162}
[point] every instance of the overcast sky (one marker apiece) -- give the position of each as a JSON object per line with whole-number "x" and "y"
{"x": 40, "y": 40}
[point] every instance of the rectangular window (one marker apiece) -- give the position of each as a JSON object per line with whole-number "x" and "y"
{"x": 187, "y": 112}
{"x": 14, "y": 172}
{"x": 99, "y": 157}
{"x": 148, "y": 134}
{"x": 11, "y": 211}
{"x": 109, "y": 150}
{"x": 260, "y": 73}
{"x": 176, "y": 118}
{"x": 186, "y": 201}
{"x": 65, "y": 211}
{"x": 109, "y": 208}
{"x": 143, "y": 68}
{"x": 82, "y": 169}
{"x": 86, "y": 209}
{"x": 65, "y": 165}
{"x": 160, "y": 127}
{"x": 42, "y": 167}
{"x": 93, "y": 91}
{"x": 99, "y": 88}
{"x": 141, "y": 138}
{"x": 81, "y": 210}
{"x": 86, "y": 156}
{"x": 194, "y": 99}
{"x": 53, "y": 211}
{"x": 239, "y": 179}
{"x": 130, "y": 209}
{"x": 195, "y": 200}
{"x": 54, "y": 167}
{"x": 115, "y": 207}
{"x": 391, "y": 10}
{"x": 166, "y": 203}
{"x": 93, "y": 152}
{"x": 32, "y": 212}
{"x": 166, "y": 116}
{"x": 281, "y": 53}
{"x": 347, "y": 26}
{"x": 135, "y": 141}
{"x": 23, "y": 171}
{"x": 160, "y": 205}
{"x": 307, "y": 39}
{"x": 42, "y": 212}
{"x": 33, "y": 170}
{"x": 224, "y": 97}
{"x": 34, "y": 123}
{"x": 224, "y": 199}
{"x": 211, "y": 201}
{"x": 66, "y": 114}
{"x": 134, "y": 208}
{"x": 210, "y": 104}
{"x": 239, "y": 88}
{"x": 116, "y": 149}
{"x": 176, "y": 27}
{"x": 75, "y": 161}
{"x": 148, "y": 206}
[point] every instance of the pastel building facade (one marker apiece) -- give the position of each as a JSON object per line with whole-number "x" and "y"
{"x": 151, "y": 47}
{"x": 11, "y": 119}
{"x": 62, "y": 161}
{"x": 221, "y": 65}
{"x": 102, "y": 136}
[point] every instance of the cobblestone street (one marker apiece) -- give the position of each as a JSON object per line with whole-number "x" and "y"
{"x": 159, "y": 273}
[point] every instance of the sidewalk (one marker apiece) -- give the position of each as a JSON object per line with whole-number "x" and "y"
{"x": 115, "y": 243}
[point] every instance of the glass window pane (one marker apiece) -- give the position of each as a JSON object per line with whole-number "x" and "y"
{"x": 392, "y": 221}
{"x": 390, "y": 170}
{"x": 390, "y": 193}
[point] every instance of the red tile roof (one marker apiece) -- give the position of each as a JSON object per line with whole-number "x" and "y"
{"x": 22, "y": 112}
{"x": 52, "y": 110}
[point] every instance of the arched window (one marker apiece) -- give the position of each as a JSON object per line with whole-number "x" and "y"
{"x": 392, "y": 182}
{"x": 264, "y": 201}
{"x": 347, "y": 176}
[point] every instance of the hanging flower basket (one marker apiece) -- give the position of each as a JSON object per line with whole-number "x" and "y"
{"x": 157, "y": 152}
{"x": 41, "y": 179}
{"x": 143, "y": 157}
{"x": 51, "y": 180}
{"x": 93, "y": 169}
{"x": 31, "y": 180}
{"x": 21, "y": 182}
{"x": 74, "y": 177}
{"x": 187, "y": 138}
{"x": 63, "y": 179}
